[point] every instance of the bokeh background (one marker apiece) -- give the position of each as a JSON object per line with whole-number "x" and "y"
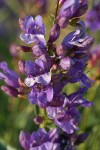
{"x": 17, "y": 114}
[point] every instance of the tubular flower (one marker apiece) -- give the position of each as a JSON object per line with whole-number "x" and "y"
{"x": 40, "y": 140}
{"x": 33, "y": 30}
{"x": 71, "y": 9}
{"x": 93, "y": 18}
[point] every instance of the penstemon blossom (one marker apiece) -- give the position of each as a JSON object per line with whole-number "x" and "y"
{"x": 53, "y": 67}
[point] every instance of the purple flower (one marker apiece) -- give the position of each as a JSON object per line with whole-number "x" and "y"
{"x": 41, "y": 97}
{"x": 65, "y": 63}
{"x": 66, "y": 119}
{"x": 10, "y": 91}
{"x": 51, "y": 69}
{"x": 93, "y": 18}
{"x": 70, "y": 9}
{"x": 83, "y": 6}
{"x": 42, "y": 79}
{"x": 10, "y": 77}
{"x": 42, "y": 5}
{"x": 41, "y": 66}
{"x": 41, "y": 93}
{"x": 61, "y": 51}
{"x": 94, "y": 55}
{"x": 77, "y": 36}
{"x": 31, "y": 68}
{"x": 69, "y": 141}
{"x": 54, "y": 33}
{"x": 39, "y": 50}
{"x": 76, "y": 99}
{"x": 75, "y": 74}
{"x": 40, "y": 140}
{"x": 45, "y": 63}
{"x": 34, "y": 30}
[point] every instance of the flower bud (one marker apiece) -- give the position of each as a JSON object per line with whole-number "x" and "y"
{"x": 21, "y": 65}
{"x": 60, "y": 50}
{"x": 65, "y": 63}
{"x": 23, "y": 48}
{"x": 13, "y": 50}
{"x": 54, "y": 33}
{"x": 21, "y": 23}
{"x": 24, "y": 139}
{"x": 83, "y": 6}
{"x": 38, "y": 120}
{"x": 42, "y": 5}
{"x": 9, "y": 90}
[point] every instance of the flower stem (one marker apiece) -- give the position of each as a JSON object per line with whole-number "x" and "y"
{"x": 43, "y": 114}
{"x": 56, "y": 12}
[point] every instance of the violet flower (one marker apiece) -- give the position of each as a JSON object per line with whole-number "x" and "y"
{"x": 9, "y": 76}
{"x": 93, "y": 18}
{"x": 41, "y": 92}
{"x": 78, "y": 38}
{"x": 71, "y": 9}
{"x": 67, "y": 119}
{"x": 34, "y": 30}
{"x": 11, "y": 79}
{"x": 40, "y": 140}
{"x": 42, "y": 5}
{"x": 94, "y": 55}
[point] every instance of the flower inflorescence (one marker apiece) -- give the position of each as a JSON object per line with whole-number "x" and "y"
{"x": 53, "y": 67}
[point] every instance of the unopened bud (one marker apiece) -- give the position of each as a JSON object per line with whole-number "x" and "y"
{"x": 24, "y": 139}
{"x": 65, "y": 63}
{"x": 23, "y": 48}
{"x": 13, "y": 50}
{"x": 9, "y": 90}
{"x": 54, "y": 33}
{"x": 21, "y": 23}
{"x": 60, "y": 50}
{"x": 21, "y": 65}
{"x": 38, "y": 120}
{"x": 39, "y": 50}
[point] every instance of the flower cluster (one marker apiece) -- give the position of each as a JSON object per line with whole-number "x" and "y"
{"x": 53, "y": 67}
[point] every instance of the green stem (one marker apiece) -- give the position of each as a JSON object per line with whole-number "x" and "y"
{"x": 43, "y": 114}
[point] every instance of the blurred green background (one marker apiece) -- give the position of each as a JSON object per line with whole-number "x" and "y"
{"x": 17, "y": 114}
